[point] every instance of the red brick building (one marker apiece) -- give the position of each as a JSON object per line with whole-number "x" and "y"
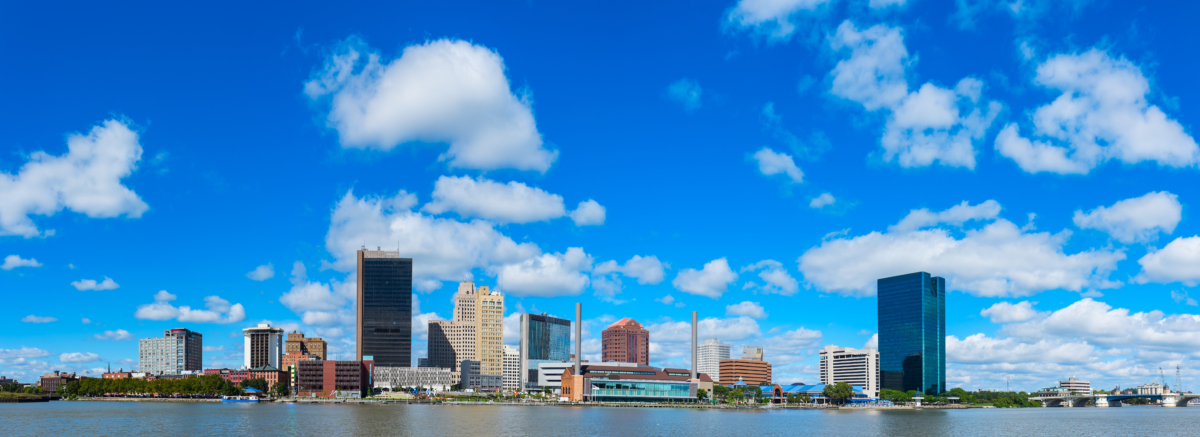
{"x": 119, "y": 374}
{"x": 328, "y": 379}
{"x": 234, "y": 376}
{"x": 626, "y": 341}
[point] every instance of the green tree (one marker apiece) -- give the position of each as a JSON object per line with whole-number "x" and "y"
{"x": 280, "y": 390}
{"x": 839, "y": 392}
{"x": 701, "y": 394}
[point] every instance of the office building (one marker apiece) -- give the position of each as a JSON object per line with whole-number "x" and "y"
{"x": 297, "y": 343}
{"x": 331, "y": 379}
{"x": 858, "y": 367}
{"x": 476, "y": 332}
{"x": 754, "y": 353}
{"x": 751, "y": 372}
{"x": 264, "y": 346}
{"x": 434, "y": 378}
{"x": 512, "y": 368}
{"x": 474, "y": 379}
{"x": 912, "y": 333}
{"x": 543, "y": 339}
{"x": 1076, "y": 386}
{"x": 626, "y": 341}
{"x": 607, "y": 383}
{"x": 51, "y": 382}
{"x": 423, "y": 362}
{"x": 384, "y": 308}
{"x": 177, "y": 351}
{"x": 710, "y": 354}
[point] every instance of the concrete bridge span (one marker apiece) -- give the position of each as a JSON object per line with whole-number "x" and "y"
{"x": 1169, "y": 400}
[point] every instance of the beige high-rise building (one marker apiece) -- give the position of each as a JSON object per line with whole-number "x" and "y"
{"x": 475, "y": 334}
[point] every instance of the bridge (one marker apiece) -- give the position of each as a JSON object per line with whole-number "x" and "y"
{"x": 1169, "y": 400}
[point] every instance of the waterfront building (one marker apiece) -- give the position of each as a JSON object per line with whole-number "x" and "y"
{"x": 234, "y": 376}
{"x": 512, "y": 368}
{"x": 912, "y": 333}
{"x": 857, "y": 367}
{"x": 119, "y": 374}
{"x": 298, "y": 344}
{"x": 4, "y": 380}
{"x": 544, "y": 338}
{"x": 177, "y": 351}
{"x": 710, "y": 354}
{"x": 607, "y": 383}
{"x": 384, "y": 308}
{"x": 752, "y": 353}
{"x": 291, "y": 358}
{"x": 1152, "y": 388}
{"x": 626, "y": 341}
{"x": 435, "y": 378}
{"x": 1076, "y": 386}
{"x": 263, "y": 346}
{"x": 815, "y": 392}
{"x": 473, "y": 378}
{"x": 331, "y": 379}
{"x": 51, "y": 382}
{"x": 271, "y": 374}
{"x": 476, "y": 332}
{"x": 751, "y": 372}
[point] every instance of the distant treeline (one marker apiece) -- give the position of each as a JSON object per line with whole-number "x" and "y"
{"x": 1001, "y": 399}
{"x": 208, "y": 385}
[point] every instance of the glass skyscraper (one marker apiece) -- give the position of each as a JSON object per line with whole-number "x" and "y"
{"x": 912, "y": 333}
{"x": 384, "y": 308}
{"x": 543, "y": 339}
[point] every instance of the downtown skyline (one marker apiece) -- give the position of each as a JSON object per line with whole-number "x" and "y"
{"x": 762, "y": 166}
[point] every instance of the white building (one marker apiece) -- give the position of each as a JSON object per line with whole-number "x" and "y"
{"x": 436, "y": 378}
{"x": 852, "y": 366}
{"x": 709, "y": 356}
{"x": 178, "y": 351}
{"x": 1152, "y": 388}
{"x": 752, "y": 353}
{"x": 1075, "y": 386}
{"x": 512, "y": 368}
{"x": 264, "y": 346}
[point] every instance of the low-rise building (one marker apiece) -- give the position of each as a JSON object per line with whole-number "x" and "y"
{"x": 473, "y": 379}
{"x": 435, "y": 378}
{"x": 512, "y": 368}
{"x": 119, "y": 374}
{"x": 4, "y": 380}
{"x": 271, "y": 374}
{"x": 234, "y": 376}
{"x": 751, "y": 372}
{"x": 331, "y": 379}
{"x": 605, "y": 383}
{"x": 51, "y": 382}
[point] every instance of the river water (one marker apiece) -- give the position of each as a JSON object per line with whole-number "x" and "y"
{"x": 162, "y": 418}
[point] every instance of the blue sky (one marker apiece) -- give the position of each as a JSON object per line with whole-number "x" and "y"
{"x": 761, "y": 162}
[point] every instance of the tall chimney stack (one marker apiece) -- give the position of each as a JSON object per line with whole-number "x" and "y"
{"x": 578, "y": 336}
{"x": 695, "y": 368}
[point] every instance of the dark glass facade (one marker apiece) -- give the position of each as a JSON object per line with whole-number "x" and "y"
{"x": 912, "y": 333}
{"x": 385, "y": 308}
{"x": 549, "y": 338}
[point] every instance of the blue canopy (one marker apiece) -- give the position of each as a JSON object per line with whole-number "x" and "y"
{"x": 251, "y": 390}
{"x": 740, "y": 383}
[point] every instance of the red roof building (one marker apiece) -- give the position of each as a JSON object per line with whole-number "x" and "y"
{"x": 626, "y": 341}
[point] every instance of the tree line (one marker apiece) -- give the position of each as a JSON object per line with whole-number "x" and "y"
{"x": 206, "y": 386}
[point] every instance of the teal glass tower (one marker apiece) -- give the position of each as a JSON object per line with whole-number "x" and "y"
{"x": 912, "y": 333}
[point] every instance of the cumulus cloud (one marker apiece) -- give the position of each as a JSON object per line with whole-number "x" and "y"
{"x": 931, "y": 124}
{"x": 1102, "y": 325}
{"x": 772, "y": 163}
{"x": 117, "y": 335}
{"x": 91, "y": 284}
{"x": 320, "y": 304}
{"x": 1182, "y": 297}
{"x": 588, "y": 213}
{"x": 712, "y": 281}
{"x": 219, "y": 310}
{"x": 513, "y": 202}
{"x": 547, "y": 275}
{"x": 442, "y": 91}
{"x": 771, "y": 18}
{"x": 1101, "y": 115}
{"x": 1179, "y": 261}
{"x": 646, "y": 269}
{"x": 262, "y": 273}
{"x": 996, "y": 260}
{"x": 880, "y": 4}
{"x": 1005, "y": 312}
{"x": 79, "y": 357}
{"x": 825, "y": 199}
{"x": 686, "y": 92}
{"x": 979, "y": 348}
{"x": 956, "y": 215}
{"x": 776, "y": 278}
{"x": 14, "y": 261}
{"x": 872, "y": 343}
{"x": 87, "y": 180}
{"x": 38, "y": 319}
{"x": 669, "y": 300}
{"x": 746, "y": 308}
{"x": 23, "y": 352}
{"x": 1136, "y": 219}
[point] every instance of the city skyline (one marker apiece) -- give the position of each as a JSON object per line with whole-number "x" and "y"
{"x": 762, "y": 167}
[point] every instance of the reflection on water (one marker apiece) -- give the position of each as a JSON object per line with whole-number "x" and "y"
{"x": 127, "y": 418}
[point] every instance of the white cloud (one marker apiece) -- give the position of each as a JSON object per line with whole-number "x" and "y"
{"x": 746, "y": 308}
{"x": 729, "y": 329}
{"x": 91, "y": 284}
{"x": 219, "y": 310}
{"x": 956, "y": 215}
{"x": 23, "y": 352}
{"x": 79, "y": 357}
{"x": 777, "y": 279}
{"x": 1102, "y": 115}
{"x": 14, "y": 261}
{"x": 1102, "y": 325}
{"x": 1004, "y": 312}
{"x": 1136, "y": 219}
{"x": 880, "y": 4}
{"x": 444, "y": 90}
{"x": 825, "y": 199}
{"x": 448, "y": 249}
{"x": 117, "y": 335}
{"x": 547, "y": 275}
{"x": 306, "y": 295}
{"x": 997, "y": 260}
{"x": 981, "y": 349}
{"x": 687, "y": 92}
{"x": 1179, "y": 261}
{"x": 214, "y": 349}
{"x": 87, "y": 180}
{"x": 646, "y": 269}
{"x": 262, "y": 273}
{"x": 513, "y": 202}
{"x": 1182, "y": 297}
{"x": 771, "y": 18}
{"x": 38, "y": 319}
{"x": 86, "y": 321}
{"x": 712, "y": 281}
{"x": 932, "y": 124}
{"x": 669, "y": 300}
{"x": 771, "y": 163}
{"x": 872, "y": 343}
{"x": 588, "y": 213}
{"x": 512, "y": 328}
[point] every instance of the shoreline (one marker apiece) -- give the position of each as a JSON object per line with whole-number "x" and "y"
{"x": 536, "y": 404}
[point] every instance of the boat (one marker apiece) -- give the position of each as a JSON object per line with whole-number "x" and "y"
{"x": 239, "y": 399}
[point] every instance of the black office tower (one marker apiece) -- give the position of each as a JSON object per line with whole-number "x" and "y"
{"x": 912, "y": 333}
{"x": 384, "y": 308}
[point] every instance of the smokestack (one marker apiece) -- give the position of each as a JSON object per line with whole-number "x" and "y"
{"x": 695, "y": 369}
{"x": 578, "y": 336}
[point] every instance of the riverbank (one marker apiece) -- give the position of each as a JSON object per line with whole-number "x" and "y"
{"x": 699, "y": 406}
